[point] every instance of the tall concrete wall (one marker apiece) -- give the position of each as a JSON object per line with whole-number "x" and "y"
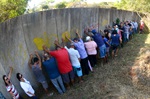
{"x": 22, "y": 35}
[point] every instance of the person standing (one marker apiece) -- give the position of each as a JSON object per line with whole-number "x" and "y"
{"x": 36, "y": 67}
{"x": 10, "y": 87}
{"x": 79, "y": 45}
{"x": 26, "y": 86}
{"x": 91, "y": 50}
{"x": 64, "y": 66}
{"x": 50, "y": 64}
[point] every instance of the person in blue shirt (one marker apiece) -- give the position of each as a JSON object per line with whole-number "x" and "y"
{"x": 49, "y": 63}
{"x": 115, "y": 41}
{"x": 100, "y": 43}
{"x": 107, "y": 43}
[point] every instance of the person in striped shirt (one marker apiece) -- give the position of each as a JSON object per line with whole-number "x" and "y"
{"x": 10, "y": 87}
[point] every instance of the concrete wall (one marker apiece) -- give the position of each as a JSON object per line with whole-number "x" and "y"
{"x": 22, "y": 35}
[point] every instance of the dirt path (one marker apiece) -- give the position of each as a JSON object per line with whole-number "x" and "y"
{"x": 125, "y": 77}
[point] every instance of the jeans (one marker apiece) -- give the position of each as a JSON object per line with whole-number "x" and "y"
{"x": 58, "y": 81}
{"x": 34, "y": 97}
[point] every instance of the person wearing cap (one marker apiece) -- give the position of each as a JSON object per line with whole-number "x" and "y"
{"x": 115, "y": 41}
{"x": 91, "y": 50}
{"x": 75, "y": 61}
{"x": 100, "y": 43}
{"x": 79, "y": 45}
{"x": 64, "y": 65}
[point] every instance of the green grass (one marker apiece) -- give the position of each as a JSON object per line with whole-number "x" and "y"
{"x": 114, "y": 80}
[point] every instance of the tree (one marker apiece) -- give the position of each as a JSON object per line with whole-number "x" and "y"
{"x": 12, "y": 8}
{"x": 135, "y": 5}
{"x": 61, "y": 5}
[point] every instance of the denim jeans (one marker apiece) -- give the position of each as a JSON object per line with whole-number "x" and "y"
{"x": 34, "y": 97}
{"x": 58, "y": 81}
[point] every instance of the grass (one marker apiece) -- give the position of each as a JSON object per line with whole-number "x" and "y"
{"x": 124, "y": 77}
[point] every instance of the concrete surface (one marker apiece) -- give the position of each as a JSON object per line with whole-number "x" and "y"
{"x": 22, "y": 35}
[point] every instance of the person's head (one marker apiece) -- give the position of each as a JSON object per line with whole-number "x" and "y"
{"x": 114, "y": 32}
{"x": 114, "y": 27}
{"x": 6, "y": 80}
{"x": 75, "y": 40}
{"x": 94, "y": 31}
{"x": 35, "y": 60}
{"x": 19, "y": 76}
{"x": 46, "y": 55}
{"x": 72, "y": 45}
{"x": 88, "y": 38}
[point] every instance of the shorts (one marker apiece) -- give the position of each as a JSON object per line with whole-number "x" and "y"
{"x": 102, "y": 50}
{"x": 114, "y": 46}
{"x": 78, "y": 71}
{"x": 44, "y": 84}
{"x": 66, "y": 77}
{"x": 107, "y": 49}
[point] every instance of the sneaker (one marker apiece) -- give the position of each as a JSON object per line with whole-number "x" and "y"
{"x": 50, "y": 94}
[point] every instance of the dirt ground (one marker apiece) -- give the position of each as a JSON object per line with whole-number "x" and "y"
{"x": 124, "y": 77}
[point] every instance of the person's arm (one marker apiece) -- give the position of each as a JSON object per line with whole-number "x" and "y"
{"x": 30, "y": 59}
{"x": 57, "y": 43}
{"x": 45, "y": 49}
{"x": 79, "y": 36}
{"x": 10, "y": 72}
{"x": 120, "y": 39}
{"x": 68, "y": 38}
{"x": 86, "y": 32}
{"x": 30, "y": 93}
{"x": 40, "y": 63}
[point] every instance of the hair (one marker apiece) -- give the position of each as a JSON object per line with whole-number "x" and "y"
{"x": 18, "y": 76}
{"x": 114, "y": 32}
{"x": 35, "y": 59}
{"x": 4, "y": 80}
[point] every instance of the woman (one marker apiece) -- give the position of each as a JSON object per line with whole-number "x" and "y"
{"x": 91, "y": 50}
{"x": 10, "y": 87}
{"x": 26, "y": 86}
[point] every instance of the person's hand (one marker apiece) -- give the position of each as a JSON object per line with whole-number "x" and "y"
{"x": 56, "y": 42}
{"x": 11, "y": 68}
{"x": 36, "y": 52}
{"x": 31, "y": 55}
{"x": 62, "y": 39}
{"x": 44, "y": 47}
{"x": 77, "y": 31}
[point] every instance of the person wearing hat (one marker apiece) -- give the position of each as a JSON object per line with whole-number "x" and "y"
{"x": 75, "y": 61}
{"x": 100, "y": 43}
{"x": 79, "y": 45}
{"x": 91, "y": 50}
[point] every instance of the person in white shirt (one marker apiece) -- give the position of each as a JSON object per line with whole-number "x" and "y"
{"x": 136, "y": 26}
{"x": 26, "y": 86}
{"x": 75, "y": 60}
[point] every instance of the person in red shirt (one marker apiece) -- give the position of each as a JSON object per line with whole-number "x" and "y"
{"x": 141, "y": 26}
{"x": 64, "y": 66}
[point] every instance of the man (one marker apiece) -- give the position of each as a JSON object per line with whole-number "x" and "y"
{"x": 50, "y": 64}
{"x": 79, "y": 45}
{"x": 100, "y": 43}
{"x": 75, "y": 61}
{"x": 115, "y": 41}
{"x": 36, "y": 66}
{"x": 26, "y": 86}
{"x": 64, "y": 66}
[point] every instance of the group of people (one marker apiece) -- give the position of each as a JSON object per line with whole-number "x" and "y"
{"x": 65, "y": 64}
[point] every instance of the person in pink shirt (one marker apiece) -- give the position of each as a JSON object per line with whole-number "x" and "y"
{"x": 91, "y": 50}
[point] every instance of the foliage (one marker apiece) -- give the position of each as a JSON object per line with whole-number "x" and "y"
{"x": 134, "y": 5}
{"x": 61, "y": 5}
{"x": 12, "y": 8}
